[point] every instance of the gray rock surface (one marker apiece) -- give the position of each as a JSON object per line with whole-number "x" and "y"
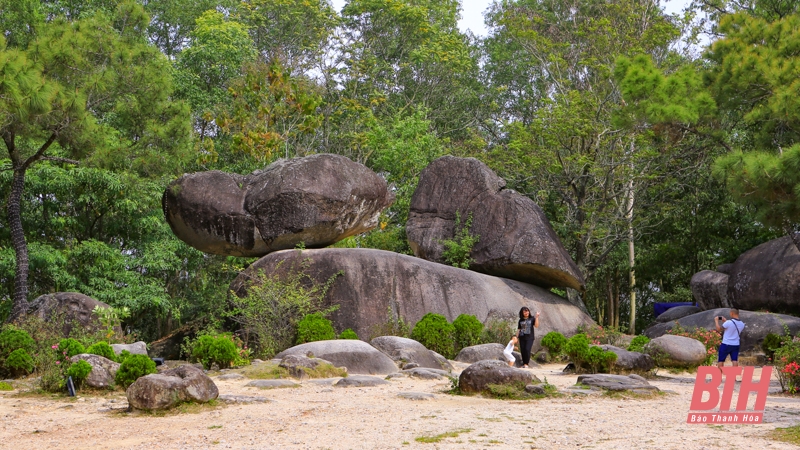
{"x": 272, "y": 384}
{"x": 168, "y": 389}
{"x": 103, "y": 370}
{"x": 360, "y": 381}
{"x": 317, "y": 200}
{"x": 357, "y": 356}
{"x": 676, "y": 351}
{"x": 535, "y": 389}
{"x": 231, "y": 376}
{"x": 242, "y": 399}
{"x": 516, "y": 239}
{"x": 405, "y": 352}
{"x": 480, "y": 352}
{"x": 617, "y": 382}
{"x": 137, "y": 348}
{"x": 416, "y": 395}
{"x": 478, "y": 376}
{"x": 710, "y": 290}
{"x": 296, "y": 364}
{"x": 677, "y": 312}
{"x": 373, "y": 281}
{"x": 630, "y": 361}
{"x": 69, "y": 309}
{"x": 767, "y": 278}
{"x": 424, "y": 374}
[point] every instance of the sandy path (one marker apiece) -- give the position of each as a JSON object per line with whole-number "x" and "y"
{"x": 318, "y": 416}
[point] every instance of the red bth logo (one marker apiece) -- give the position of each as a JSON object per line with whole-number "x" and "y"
{"x": 703, "y": 384}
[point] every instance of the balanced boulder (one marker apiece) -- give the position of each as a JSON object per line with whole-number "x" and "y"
{"x": 404, "y": 351}
{"x": 515, "y": 238}
{"x": 677, "y": 312}
{"x": 477, "y": 377}
{"x": 357, "y": 356}
{"x": 710, "y": 290}
{"x": 676, "y": 351}
{"x": 630, "y": 361}
{"x": 170, "y": 388}
{"x": 767, "y": 278}
{"x": 370, "y": 285}
{"x": 103, "y": 370}
{"x": 316, "y": 200}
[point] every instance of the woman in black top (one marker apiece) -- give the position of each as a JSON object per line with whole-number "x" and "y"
{"x": 525, "y": 333}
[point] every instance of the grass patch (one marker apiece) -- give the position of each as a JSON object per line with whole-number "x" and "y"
{"x": 788, "y": 434}
{"x": 490, "y": 419}
{"x": 183, "y": 408}
{"x": 440, "y": 437}
{"x": 324, "y": 371}
{"x": 6, "y": 386}
{"x": 214, "y": 426}
{"x": 628, "y": 395}
{"x": 266, "y": 371}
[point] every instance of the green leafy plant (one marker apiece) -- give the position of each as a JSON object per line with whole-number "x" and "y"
{"x": 468, "y": 331}
{"x": 638, "y": 343}
{"x": 5, "y": 386}
{"x": 457, "y": 250}
{"x": 19, "y": 362}
{"x": 599, "y": 335}
{"x": 497, "y": 331}
{"x": 554, "y": 342}
{"x": 314, "y": 327}
{"x": 12, "y": 339}
{"x": 348, "y": 334}
{"x": 123, "y": 356}
{"x": 134, "y": 367}
{"x": 395, "y": 325}
{"x": 591, "y": 359}
{"x": 103, "y": 349}
{"x": 111, "y": 318}
{"x": 79, "y": 371}
{"x": 71, "y": 347}
{"x": 772, "y": 342}
{"x": 210, "y": 350}
{"x": 435, "y": 333}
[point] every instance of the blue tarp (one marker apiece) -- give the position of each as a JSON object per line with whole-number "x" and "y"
{"x": 661, "y": 308}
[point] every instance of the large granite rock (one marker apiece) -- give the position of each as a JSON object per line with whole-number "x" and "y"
{"x": 357, "y": 356}
{"x": 630, "y": 361}
{"x": 404, "y": 351}
{"x": 103, "y": 370}
{"x": 374, "y": 281}
{"x": 296, "y": 365}
{"x": 758, "y": 325}
{"x": 710, "y": 290}
{"x": 171, "y": 388}
{"x": 480, "y": 352}
{"x": 767, "y": 278}
{"x": 516, "y": 239}
{"x": 137, "y": 348}
{"x": 478, "y": 376}
{"x": 608, "y": 382}
{"x": 677, "y": 312}
{"x": 69, "y": 309}
{"x": 316, "y": 200}
{"x": 676, "y": 351}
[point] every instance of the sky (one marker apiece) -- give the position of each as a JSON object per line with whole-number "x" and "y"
{"x": 472, "y": 12}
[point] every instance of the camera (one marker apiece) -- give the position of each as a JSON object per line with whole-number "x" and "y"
{"x": 720, "y": 318}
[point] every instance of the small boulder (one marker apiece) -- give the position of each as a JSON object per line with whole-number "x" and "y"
{"x": 170, "y": 388}
{"x": 137, "y": 348}
{"x": 272, "y": 384}
{"x": 69, "y": 309}
{"x": 478, "y": 376}
{"x": 296, "y": 365}
{"x": 676, "y": 351}
{"x": 480, "y": 352}
{"x": 416, "y": 395}
{"x": 535, "y": 389}
{"x": 767, "y": 277}
{"x": 423, "y": 374}
{"x": 103, "y": 370}
{"x": 617, "y": 382}
{"x": 630, "y": 361}
{"x": 710, "y": 290}
{"x": 360, "y": 381}
{"x": 357, "y": 356}
{"x": 405, "y": 352}
{"x": 677, "y": 312}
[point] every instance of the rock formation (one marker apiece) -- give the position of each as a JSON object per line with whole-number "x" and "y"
{"x": 767, "y": 277}
{"x": 69, "y": 308}
{"x": 710, "y": 289}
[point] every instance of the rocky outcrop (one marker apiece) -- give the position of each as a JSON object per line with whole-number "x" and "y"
{"x": 676, "y": 351}
{"x": 171, "y": 388}
{"x": 767, "y": 278}
{"x": 373, "y": 282}
{"x": 316, "y": 200}
{"x": 758, "y": 325}
{"x": 710, "y": 289}
{"x": 478, "y": 376}
{"x": 404, "y": 351}
{"x": 516, "y": 239}
{"x": 137, "y": 348}
{"x": 482, "y": 352}
{"x": 677, "y": 312}
{"x": 296, "y": 365}
{"x": 103, "y": 370}
{"x": 357, "y": 356}
{"x": 67, "y": 309}
{"x": 630, "y": 361}
{"x": 608, "y": 382}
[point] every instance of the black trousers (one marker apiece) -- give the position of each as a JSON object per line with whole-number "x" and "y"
{"x": 525, "y": 344}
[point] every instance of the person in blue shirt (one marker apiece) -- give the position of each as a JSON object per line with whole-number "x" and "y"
{"x": 731, "y": 338}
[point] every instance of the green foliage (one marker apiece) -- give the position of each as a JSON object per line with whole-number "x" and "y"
{"x": 6, "y": 386}
{"x": 134, "y": 367}
{"x": 554, "y": 342}
{"x": 591, "y": 359}
{"x": 314, "y": 327}
{"x": 348, "y": 334}
{"x": 71, "y": 347}
{"x": 12, "y": 339}
{"x": 214, "y": 350}
{"x": 435, "y": 333}
{"x": 787, "y": 366}
{"x": 111, "y": 319}
{"x": 395, "y": 325}
{"x": 771, "y": 343}
{"x": 711, "y": 339}
{"x": 123, "y": 355}
{"x": 601, "y": 335}
{"x": 468, "y": 331}
{"x": 497, "y": 331}
{"x": 457, "y": 250}
{"x": 79, "y": 371}
{"x": 638, "y": 343}
{"x": 103, "y": 349}
{"x": 18, "y": 362}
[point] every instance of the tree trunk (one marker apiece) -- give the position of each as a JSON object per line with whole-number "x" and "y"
{"x": 20, "y": 299}
{"x": 631, "y": 258}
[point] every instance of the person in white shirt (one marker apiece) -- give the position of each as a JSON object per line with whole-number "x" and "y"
{"x": 731, "y": 338}
{"x": 509, "y": 351}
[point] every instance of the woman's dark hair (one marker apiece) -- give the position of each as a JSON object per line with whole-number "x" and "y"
{"x": 523, "y": 309}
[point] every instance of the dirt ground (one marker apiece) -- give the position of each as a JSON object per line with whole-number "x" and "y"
{"x": 315, "y": 416}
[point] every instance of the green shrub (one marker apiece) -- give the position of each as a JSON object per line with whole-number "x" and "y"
{"x": 457, "y": 251}
{"x": 600, "y": 360}
{"x": 5, "y": 386}
{"x": 638, "y": 343}
{"x": 468, "y": 331}
{"x": 598, "y": 335}
{"x": 210, "y": 350}
{"x": 395, "y": 325}
{"x": 12, "y": 339}
{"x": 123, "y": 356}
{"x": 554, "y": 342}
{"x": 79, "y": 371}
{"x": 103, "y": 349}
{"x": 135, "y": 366}
{"x": 588, "y": 359}
{"x": 348, "y": 334}
{"x": 314, "y": 327}
{"x": 497, "y": 331}
{"x": 71, "y": 346}
{"x": 435, "y": 333}
{"x": 19, "y": 362}
{"x": 787, "y": 366}
{"x": 771, "y": 343}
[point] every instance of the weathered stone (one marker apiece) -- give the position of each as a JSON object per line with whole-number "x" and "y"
{"x": 272, "y": 384}
{"x": 316, "y": 200}
{"x": 407, "y": 352}
{"x": 480, "y": 352}
{"x": 242, "y": 399}
{"x": 677, "y": 312}
{"x": 167, "y": 389}
{"x": 676, "y": 351}
{"x": 374, "y": 281}
{"x": 296, "y": 364}
{"x": 630, "y": 361}
{"x": 710, "y": 289}
{"x": 416, "y": 395}
{"x": 725, "y": 268}
{"x": 231, "y": 376}
{"x": 535, "y": 389}
{"x": 767, "y": 278}
{"x": 103, "y": 370}
{"x": 137, "y": 348}
{"x": 617, "y": 382}
{"x": 516, "y": 239}
{"x": 758, "y": 325}
{"x": 68, "y": 309}
{"x": 423, "y": 374}
{"x": 478, "y": 376}
{"x": 169, "y": 347}
{"x": 360, "y": 381}
{"x": 357, "y": 356}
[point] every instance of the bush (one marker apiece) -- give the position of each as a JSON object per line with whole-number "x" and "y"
{"x": 123, "y": 356}
{"x": 772, "y": 342}
{"x": 468, "y": 331}
{"x": 457, "y": 251}
{"x": 638, "y": 343}
{"x": 134, "y": 367}
{"x": 348, "y": 334}
{"x": 710, "y": 338}
{"x": 497, "y": 331}
{"x": 12, "y": 339}
{"x": 79, "y": 371}
{"x": 588, "y": 359}
{"x": 314, "y": 327}
{"x": 102, "y": 349}
{"x": 394, "y": 326}
{"x": 210, "y": 350}
{"x": 71, "y": 346}
{"x": 436, "y": 333}
{"x": 554, "y": 342}
{"x": 5, "y": 386}
{"x": 19, "y": 362}
{"x": 598, "y": 335}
